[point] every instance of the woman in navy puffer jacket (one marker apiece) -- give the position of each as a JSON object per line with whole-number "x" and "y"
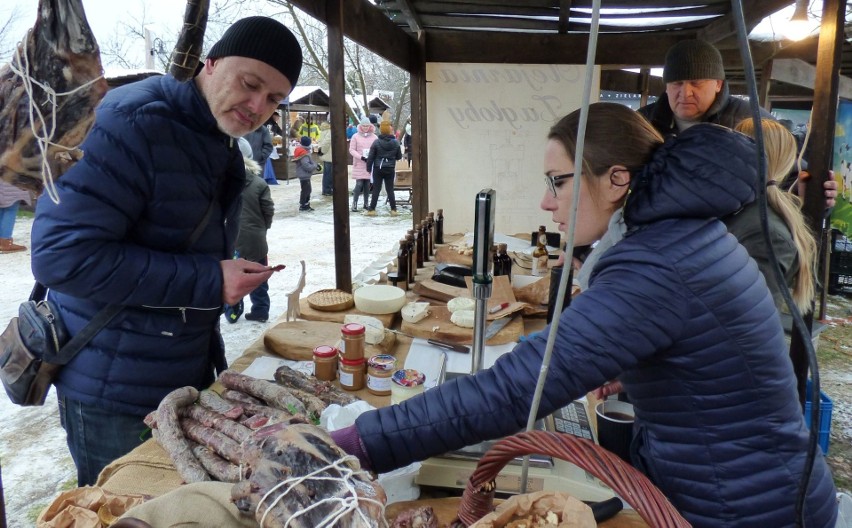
{"x": 674, "y": 308}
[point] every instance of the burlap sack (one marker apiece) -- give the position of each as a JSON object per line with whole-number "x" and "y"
{"x": 571, "y": 512}
{"x": 197, "y": 504}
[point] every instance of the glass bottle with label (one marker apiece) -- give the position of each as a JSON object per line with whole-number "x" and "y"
{"x": 402, "y": 259}
{"x": 439, "y": 227}
{"x": 496, "y": 265}
{"x": 540, "y": 255}
{"x": 505, "y": 260}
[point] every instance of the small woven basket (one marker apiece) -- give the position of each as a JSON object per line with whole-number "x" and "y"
{"x": 631, "y": 485}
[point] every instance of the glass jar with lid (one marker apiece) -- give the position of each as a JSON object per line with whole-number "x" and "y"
{"x": 379, "y": 371}
{"x": 353, "y": 339}
{"x": 325, "y": 362}
{"x": 406, "y": 383}
{"x": 352, "y": 373}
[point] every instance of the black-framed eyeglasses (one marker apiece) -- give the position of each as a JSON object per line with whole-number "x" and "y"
{"x": 553, "y": 182}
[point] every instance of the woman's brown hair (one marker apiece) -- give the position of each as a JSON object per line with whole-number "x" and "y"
{"x": 780, "y": 147}
{"x": 615, "y": 135}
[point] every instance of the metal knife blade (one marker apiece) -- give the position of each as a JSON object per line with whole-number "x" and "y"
{"x": 496, "y": 325}
{"x": 442, "y": 344}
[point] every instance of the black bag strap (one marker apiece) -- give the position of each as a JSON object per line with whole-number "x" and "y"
{"x": 106, "y": 314}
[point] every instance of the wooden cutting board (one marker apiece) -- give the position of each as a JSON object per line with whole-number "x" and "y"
{"x": 438, "y": 291}
{"x": 296, "y": 340}
{"x": 311, "y": 314}
{"x": 438, "y": 326}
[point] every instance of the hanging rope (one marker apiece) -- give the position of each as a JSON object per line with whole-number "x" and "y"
{"x": 43, "y": 129}
{"x": 563, "y": 280}
{"x": 345, "y": 506}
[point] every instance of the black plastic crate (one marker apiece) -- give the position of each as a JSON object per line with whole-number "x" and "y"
{"x": 839, "y": 283}
{"x": 841, "y": 254}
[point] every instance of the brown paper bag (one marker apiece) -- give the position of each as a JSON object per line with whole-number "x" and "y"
{"x": 571, "y": 512}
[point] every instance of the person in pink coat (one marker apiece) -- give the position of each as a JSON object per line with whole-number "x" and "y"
{"x": 359, "y": 147}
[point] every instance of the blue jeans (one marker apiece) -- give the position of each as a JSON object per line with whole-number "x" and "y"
{"x": 260, "y": 296}
{"x": 7, "y": 219}
{"x": 327, "y": 178}
{"x": 97, "y": 437}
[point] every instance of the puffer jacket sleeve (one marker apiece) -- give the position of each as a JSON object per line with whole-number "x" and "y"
{"x": 83, "y": 246}
{"x": 611, "y": 327}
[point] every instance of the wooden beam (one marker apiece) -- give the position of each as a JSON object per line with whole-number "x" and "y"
{"x": 628, "y": 50}
{"x": 419, "y": 145}
{"x": 411, "y": 15}
{"x": 765, "y": 84}
{"x": 800, "y": 73}
{"x": 564, "y": 16}
{"x": 821, "y": 147}
{"x": 725, "y": 27}
{"x": 631, "y": 82}
{"x": 335, "y": 21}
{"x": 369, "y": 27}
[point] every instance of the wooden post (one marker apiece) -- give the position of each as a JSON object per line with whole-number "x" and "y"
{"x": 644, "y": 84}
{"x": 765, "y": 83}
{"x": 339, "y": 148}
{"x": 419, "y": 154}
{"x": 823, "y": 121}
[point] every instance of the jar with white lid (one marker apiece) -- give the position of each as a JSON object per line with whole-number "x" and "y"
{"x": 380, "y": 368}
{"x": 406, "y": 383}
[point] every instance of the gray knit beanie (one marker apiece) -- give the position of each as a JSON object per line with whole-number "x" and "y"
{"x": 264, "y": 39}
{"x": 690, "y": 60}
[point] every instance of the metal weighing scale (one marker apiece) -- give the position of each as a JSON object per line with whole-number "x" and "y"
{"x": 453, "y": 470}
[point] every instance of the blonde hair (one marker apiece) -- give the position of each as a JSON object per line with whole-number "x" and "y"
{"x": 780, "y": 147}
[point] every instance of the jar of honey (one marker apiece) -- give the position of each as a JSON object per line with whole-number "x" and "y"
{"x": 379, "y": 371}
{"x": 406, "y": 383}
{"x": 353, "y": 339}
{"x": 352, "y": 373}
{"x": 325, "y": 363}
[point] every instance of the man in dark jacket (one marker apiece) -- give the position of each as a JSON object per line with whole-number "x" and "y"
{"x": 147, "y": 221}
{"x": 260, "y": 141}
{"x": 696, "y": 91}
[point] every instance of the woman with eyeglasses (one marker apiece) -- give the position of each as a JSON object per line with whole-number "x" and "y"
{"x": 672, "y": 307}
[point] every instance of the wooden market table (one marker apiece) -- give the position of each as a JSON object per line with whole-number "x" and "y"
{"x": 148, "y": 470}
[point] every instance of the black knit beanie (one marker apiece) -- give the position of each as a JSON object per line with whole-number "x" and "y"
{"x": 263, "y": 39}
{"x": 690, "y": 60}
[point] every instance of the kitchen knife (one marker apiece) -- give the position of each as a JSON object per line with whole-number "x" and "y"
{"x": 442, "y": 344}
{"x": 497, "y": 325}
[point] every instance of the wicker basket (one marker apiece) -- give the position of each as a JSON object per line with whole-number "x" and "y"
{"x": 631, "y": 485}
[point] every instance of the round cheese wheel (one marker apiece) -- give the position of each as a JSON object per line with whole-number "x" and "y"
{"x": 460, "y": 303}
{"x": 379, "y": 299}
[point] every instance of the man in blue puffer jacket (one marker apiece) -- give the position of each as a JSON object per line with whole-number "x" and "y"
{"x": 161, "y": 160}
{"x": 675, "y": 309}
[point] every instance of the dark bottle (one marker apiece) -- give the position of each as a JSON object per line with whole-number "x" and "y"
{"x": 505, "y": 260}
{"x": 430, "y": 227}
{"x": 418, "y": 247}
{"x": 496, "y": 265}
{"x": 412, "y": 270}
{"x": 424, "y": 240}
{"x": 540, "y": 255}
{"x": 439, "y": 227}
{"x": 402, "y": 258}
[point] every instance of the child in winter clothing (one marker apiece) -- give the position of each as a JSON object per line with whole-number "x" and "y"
{"x": 359, "y": 147}
{"x": 255, "y": 220}
{"x": 305, "y": 168}
{"x": 381, "y": 162}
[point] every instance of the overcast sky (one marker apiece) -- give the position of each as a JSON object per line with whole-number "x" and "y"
{"x": 104, "y": 16}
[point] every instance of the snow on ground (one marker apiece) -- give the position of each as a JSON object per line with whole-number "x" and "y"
{"x": 35, "y": 462}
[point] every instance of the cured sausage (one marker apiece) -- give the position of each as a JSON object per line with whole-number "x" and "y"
{"x": 171, "y": 437}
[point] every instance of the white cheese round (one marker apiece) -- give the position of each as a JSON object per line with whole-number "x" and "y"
{"x": 463, "y": 318}
{"x": 460, "y": 303}
{"x": 379, "y": 299}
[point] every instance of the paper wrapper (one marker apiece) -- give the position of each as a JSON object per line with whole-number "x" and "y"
{"x": 86, "y": 507}
{"x": 571, "y": 512}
